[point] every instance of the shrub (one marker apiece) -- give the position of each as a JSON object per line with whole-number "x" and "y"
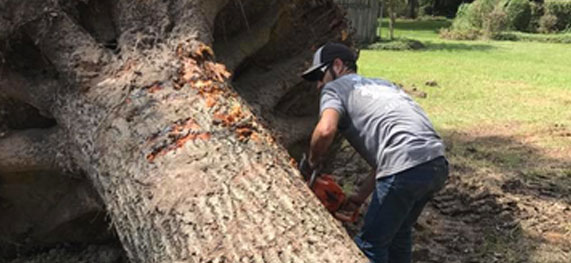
{"x": 562, "y": 10}
{"x": 462, "y": 22}
{"x": 507, "y": 36}
{"x": 487, "y": 15}
{"x": 547, "y": 38}
{"x": 455, "y": 34}
{"x": 547, "y": 23}
{"x": 473, "y": 15}
{"x": 519, "y": 14}
{"x": 397, "y": 44}
{"x": 536, "y": 14}
{"x": 495, "y": 22}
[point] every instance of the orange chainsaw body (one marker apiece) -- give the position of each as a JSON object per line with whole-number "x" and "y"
{"x": 331, "y": 195}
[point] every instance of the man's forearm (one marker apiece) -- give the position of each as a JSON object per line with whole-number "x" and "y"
{"x": 323, "y": 136}
{"x": 318, "y": 147}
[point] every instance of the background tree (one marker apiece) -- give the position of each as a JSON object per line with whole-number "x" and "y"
{"x": 393, "y": 7}
{"x": 412, "y": 8}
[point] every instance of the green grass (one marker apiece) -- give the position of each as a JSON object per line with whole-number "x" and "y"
{"x": 479, "y": 82}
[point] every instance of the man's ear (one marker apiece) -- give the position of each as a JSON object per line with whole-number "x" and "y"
{"x": 338, "y": 65}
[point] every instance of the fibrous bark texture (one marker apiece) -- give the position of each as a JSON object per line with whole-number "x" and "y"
{"x": 188, "y": 172}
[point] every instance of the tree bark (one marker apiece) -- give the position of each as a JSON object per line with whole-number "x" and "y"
{"x": 392, "y": 16}
{"x": 412, "y": 4}
{"x": 381, "y": 12}
{"x": 185, "y": 169}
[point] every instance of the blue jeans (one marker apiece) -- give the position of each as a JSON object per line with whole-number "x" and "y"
{"x": 397, "y": 202}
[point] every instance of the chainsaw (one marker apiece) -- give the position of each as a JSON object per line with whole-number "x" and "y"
{"x": 327, "y": 191}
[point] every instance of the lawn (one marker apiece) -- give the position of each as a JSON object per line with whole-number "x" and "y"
{"x": 479, "y": 82}
{"x": 504, "y": 110}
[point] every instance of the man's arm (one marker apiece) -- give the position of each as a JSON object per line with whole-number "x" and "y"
{"x": 323, "y": 136}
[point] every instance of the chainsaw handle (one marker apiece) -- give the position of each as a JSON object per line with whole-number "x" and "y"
{"x": 313, "y": 177}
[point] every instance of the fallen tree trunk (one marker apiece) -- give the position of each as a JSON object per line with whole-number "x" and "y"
{"x": 186, "y": 171}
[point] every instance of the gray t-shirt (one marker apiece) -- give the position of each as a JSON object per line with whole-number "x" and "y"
{"x": 382, "y": 122}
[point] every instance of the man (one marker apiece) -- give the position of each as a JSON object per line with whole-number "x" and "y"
{"x": 393, "y": 134}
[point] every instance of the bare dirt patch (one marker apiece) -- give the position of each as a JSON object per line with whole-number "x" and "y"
{"x": 507, "y": 200}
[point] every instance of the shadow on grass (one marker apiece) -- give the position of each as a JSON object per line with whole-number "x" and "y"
{"x": 525, "y": 169}
{"x": 418, "y": 25}
{"x": 496, "y": 183}
{"x": 406, "y": 44}
{"x": 452, "y": 47}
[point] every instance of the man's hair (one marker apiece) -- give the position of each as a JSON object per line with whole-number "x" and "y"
{"x": 352, "y": 65}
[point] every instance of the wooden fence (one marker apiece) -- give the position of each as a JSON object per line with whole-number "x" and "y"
{"x": 363, "y": 15}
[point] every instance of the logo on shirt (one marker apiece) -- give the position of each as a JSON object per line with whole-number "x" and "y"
{"x": 375, "y": 91}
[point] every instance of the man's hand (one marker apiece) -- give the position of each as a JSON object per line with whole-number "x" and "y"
{"x": 351, "y": 206}
{"x": 305, "y": 167}
{"x": 353, "y": 203}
